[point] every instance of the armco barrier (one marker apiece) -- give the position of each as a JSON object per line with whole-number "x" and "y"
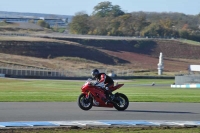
{"x": 187, "y": 79}
{"x": 86, "y": 77}
{"x": 99, "y": 123}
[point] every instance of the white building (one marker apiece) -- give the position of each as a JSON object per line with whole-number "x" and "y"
{"x": 51, "y": 22}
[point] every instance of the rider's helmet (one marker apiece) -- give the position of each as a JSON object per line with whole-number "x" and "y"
{"x": 95, "y": 73}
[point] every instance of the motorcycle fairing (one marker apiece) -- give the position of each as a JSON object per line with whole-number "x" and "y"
{"x": 98, "y": 94}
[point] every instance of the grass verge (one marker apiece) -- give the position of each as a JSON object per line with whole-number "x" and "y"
{"x": 190, "y": 42}
{"x": 137, "y": 90}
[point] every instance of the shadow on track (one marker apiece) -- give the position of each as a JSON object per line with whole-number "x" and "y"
{"x": 148, "y": 111}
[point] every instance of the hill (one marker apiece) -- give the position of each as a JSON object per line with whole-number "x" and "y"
{"x": 68, "y": 53}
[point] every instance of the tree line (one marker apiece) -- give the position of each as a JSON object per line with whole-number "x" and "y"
{"x": 111, "y": 20}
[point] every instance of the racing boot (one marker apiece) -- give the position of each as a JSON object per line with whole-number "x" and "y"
{"x": 109, "y": 95}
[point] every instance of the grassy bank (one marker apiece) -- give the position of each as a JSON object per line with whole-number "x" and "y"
{"x": 137, "y": 90}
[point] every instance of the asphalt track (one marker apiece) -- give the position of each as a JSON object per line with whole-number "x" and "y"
{"x": 67, "y": 111}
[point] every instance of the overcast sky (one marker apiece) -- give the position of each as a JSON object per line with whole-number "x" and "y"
{"x": 70, "y": 7}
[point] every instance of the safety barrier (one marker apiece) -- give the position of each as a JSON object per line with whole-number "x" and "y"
{"x": 43, "y": 72}
{"x": 186, "y": 86}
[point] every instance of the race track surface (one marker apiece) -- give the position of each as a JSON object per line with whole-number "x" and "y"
{"x": 69, "y": 111}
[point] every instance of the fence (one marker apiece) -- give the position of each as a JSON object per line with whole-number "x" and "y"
{"x": 187, "y": 79}
{"x": 60, "y": 73}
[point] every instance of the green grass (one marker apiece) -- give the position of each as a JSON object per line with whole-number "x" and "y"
{"x": 76, "y": 59}
{"x": 137, "y": 90}
{"x": 38, "y": 90}
{"x": 190, "y": 42}
{"x": 61, "y": 30}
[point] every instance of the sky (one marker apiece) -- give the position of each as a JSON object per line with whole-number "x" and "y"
{"x": 71, "y": 7}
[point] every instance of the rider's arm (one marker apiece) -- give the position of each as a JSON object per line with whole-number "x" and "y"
{"x": 103, "y": 78}
{"x": 100, "y": 83}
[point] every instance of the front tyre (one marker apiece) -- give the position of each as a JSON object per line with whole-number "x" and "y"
{"x": 120, "y": 102}
{"x": 85, "y": 103}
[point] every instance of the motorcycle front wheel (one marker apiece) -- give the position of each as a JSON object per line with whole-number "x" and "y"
{"x": 121, "y": 102}
{"x": 85, "y": 103}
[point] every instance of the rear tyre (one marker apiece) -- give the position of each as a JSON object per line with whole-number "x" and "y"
{"x": 85, "y": 103}
{"x": 121, "y": 102}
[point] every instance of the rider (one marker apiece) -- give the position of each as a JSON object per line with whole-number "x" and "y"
{"x": 104, "y": 79}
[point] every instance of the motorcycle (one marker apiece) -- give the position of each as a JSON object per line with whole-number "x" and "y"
{"x": 94, "y": 95}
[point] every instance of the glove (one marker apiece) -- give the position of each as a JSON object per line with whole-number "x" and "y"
{"x": 100, "y": 84}
{"x": 96, "y": 83}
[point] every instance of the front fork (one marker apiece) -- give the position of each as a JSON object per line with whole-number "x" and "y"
{"x": 87, "y": 94}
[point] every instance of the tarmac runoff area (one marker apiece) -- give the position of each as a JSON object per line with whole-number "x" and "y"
{"x": 58, "y": 114}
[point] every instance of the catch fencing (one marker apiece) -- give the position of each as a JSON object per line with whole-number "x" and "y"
{"x": 12, "y": 71}
{"x": 187, "y": 79}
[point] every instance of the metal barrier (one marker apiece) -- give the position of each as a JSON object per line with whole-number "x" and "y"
{"x": 187, "y": 79}
{"x": 60, "y": 73}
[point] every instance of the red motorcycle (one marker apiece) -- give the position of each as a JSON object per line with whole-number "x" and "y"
{"x": 93, "y": 95}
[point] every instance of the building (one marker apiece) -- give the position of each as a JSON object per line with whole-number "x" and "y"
{"x": 51, "y": 21}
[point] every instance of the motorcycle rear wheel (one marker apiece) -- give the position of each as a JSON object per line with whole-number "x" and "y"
{"x": 85, "y": 103}
{"x": 121, "y": 102}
